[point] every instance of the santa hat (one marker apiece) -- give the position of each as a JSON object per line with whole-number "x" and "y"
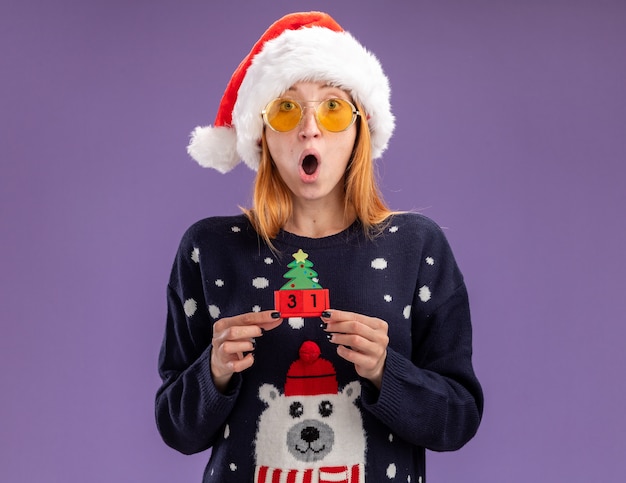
{"x": 308, "y": 46}
{"x": 310, "y": 375}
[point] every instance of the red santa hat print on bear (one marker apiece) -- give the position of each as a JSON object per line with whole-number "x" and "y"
{"x": 305, "y": 46}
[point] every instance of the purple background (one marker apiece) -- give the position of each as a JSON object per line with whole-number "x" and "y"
{"x": 511, "y": 134}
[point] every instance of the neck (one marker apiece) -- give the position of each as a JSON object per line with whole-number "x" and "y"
{"x": 319, "y": 221}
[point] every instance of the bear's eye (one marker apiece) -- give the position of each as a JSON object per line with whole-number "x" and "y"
{"x": 326, "y": 408}
{"x": 296, "y": 410}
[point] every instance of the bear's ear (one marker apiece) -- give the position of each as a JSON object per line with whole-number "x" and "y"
{"x": 352, "y": 391}
{"x": 268, "y": 393}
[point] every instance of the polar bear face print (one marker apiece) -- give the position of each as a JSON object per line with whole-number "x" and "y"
{"x": 310, "y": 431}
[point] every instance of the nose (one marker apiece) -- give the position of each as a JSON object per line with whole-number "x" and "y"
{"x": 310, "y": 434}
{"x": 308, "y": 125}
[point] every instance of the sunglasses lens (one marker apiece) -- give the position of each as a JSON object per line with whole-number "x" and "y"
{"x": 283, "y": 114}
{"x": 336, "y": 115}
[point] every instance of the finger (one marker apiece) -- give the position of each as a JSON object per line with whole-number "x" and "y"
{"x": 242, "y": 364}
{"x": 336, "y": 316}
{"x": 357, "y": 358}
{"x": 237, "y": 348}
{"x": 367, "y": 367}
{"x": 224, "y": 355}
{"x": 357, "y": 343}
{"x": 238, "y": 333}
{"x": 275, "y": 319}
{"x": 268, "y": 319}
{"x": 357, "y": 329}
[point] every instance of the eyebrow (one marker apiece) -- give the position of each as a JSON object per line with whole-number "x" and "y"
{"x": 323, "y": 86}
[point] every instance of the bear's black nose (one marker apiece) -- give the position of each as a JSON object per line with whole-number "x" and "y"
{"x": 310, "y": 434}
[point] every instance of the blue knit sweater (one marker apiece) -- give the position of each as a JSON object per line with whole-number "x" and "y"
{"x": 335, "y": 426}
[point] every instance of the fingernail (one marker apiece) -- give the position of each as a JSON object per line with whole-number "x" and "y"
{"x": 326, "y": 314}
{"x": 275, "y": 315}
{"x": 324, "y": 325}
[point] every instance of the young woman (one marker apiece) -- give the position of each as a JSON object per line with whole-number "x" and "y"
{"x": 319, "y": 336}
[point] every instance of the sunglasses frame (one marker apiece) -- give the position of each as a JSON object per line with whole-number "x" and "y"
{"x": 355, "y": 112}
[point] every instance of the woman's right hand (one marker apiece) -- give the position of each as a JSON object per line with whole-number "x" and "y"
{"x": 233, "y": 343}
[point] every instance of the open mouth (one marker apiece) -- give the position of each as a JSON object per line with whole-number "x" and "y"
{"x": 309, "y": 164}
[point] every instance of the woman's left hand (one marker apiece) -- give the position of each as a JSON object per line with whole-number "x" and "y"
{"x": 361, "y": 340}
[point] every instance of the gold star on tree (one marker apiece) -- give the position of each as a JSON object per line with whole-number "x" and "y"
{"x": 300, "y": 256}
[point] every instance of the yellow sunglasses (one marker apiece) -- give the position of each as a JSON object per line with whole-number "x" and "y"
{"x": 334, "y": 115}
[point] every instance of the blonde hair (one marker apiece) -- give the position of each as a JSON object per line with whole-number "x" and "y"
{"x": 271, "y": 201}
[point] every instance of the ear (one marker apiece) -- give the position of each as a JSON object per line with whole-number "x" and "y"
{"x": 352, "y": 391}
{"x": 268, "y": 393}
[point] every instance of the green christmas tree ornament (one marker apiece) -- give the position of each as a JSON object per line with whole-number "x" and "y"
{"x": 301, "y": 274}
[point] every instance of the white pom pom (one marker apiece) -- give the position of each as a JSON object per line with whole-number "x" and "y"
{"x": 214, "y": 147}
